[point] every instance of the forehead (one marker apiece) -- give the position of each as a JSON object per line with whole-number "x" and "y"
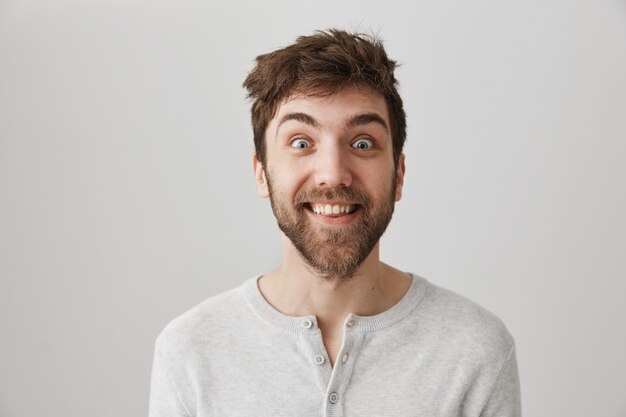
{"x": 344, "y": 104}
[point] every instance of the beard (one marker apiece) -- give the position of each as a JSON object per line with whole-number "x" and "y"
{"x": 333, "y": 252}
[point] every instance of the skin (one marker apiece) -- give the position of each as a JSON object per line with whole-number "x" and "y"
{"x": 322, "y": 150}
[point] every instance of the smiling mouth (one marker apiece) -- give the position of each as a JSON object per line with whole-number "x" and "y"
{"x": 325, "y": 209}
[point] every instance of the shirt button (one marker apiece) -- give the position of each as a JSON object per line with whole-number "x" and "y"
{"x": 333, "y": 398}
{"x": 307, "y": 323}
{"x": 344, "y": 358}
{"x": 319, "y": 359}
{"x": 351, "y": 323}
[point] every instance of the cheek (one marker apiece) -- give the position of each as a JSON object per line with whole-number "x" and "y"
{"x": 282, "y": 183}
{"x": 377, "y": 178}
{"x": 291, "y": 176}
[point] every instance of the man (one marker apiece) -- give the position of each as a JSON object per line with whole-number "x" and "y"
{"x": 333, "y": 331}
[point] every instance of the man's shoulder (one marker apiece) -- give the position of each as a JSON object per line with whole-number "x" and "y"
{"x": 464, "y": 322}
{"x": 208, "y": 319}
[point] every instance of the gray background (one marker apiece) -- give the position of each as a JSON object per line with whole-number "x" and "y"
{"x": 127, "y": 195}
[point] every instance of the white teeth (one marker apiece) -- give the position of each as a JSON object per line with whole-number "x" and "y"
{"x": 327, "y": 209}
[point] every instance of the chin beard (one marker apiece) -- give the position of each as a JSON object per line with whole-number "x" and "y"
{"x": 334, "y": 253}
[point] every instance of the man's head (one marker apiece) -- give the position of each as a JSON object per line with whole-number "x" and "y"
{"x": 329, "y": 129}
{"x": 321, "y": 65}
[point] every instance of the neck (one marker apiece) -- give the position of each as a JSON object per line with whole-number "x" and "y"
{"x": 296, "y": 290}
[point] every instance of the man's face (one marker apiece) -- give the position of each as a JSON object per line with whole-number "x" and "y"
{"x": 330, "y": 177}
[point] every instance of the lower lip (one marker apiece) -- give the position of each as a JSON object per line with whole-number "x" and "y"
{"x": 337, "y": 220}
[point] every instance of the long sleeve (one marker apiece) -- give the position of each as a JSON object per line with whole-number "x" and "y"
{"x": 164, "y": 400}
{"x": 505, "y": 399}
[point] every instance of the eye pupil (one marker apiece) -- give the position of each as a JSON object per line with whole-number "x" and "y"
{"x": 300, "y": 144}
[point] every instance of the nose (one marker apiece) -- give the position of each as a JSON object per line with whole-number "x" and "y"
{"x": 332, "y": 167}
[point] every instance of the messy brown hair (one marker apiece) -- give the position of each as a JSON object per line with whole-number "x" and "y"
{"x": 320, "y": 65}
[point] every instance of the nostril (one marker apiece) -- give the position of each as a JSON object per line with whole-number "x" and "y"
{"x": 333, "y": 176}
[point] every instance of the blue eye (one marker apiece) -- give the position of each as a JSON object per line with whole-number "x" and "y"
{"x": 300, "y": 144}
{"x": 363, "y": 144}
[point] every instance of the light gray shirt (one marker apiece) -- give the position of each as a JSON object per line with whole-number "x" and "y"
{"x": 433, "y": 354}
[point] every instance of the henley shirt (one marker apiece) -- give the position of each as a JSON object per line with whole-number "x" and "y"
{"x": 433, "y": 354}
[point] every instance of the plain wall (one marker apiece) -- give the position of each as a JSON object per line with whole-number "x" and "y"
{"x": 127, "y": 195}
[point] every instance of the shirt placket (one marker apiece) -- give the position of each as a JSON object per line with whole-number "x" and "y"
{"x": 333, "y": 381}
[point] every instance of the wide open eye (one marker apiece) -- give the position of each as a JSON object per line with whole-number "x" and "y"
{"x": 363, "y": 144}
{"x": 300, "y": 143}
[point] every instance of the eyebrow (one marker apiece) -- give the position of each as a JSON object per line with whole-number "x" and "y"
{"x": 300, "y": 117}
{"x": 363, "y": 119}
{"x": 358, "y": 120}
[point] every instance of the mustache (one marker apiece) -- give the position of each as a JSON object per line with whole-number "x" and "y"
{"x": 322, "y": 195}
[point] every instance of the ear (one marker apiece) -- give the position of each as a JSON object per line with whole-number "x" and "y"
{"x": 400, "y": 177}
{"x": 261, "y": 180}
